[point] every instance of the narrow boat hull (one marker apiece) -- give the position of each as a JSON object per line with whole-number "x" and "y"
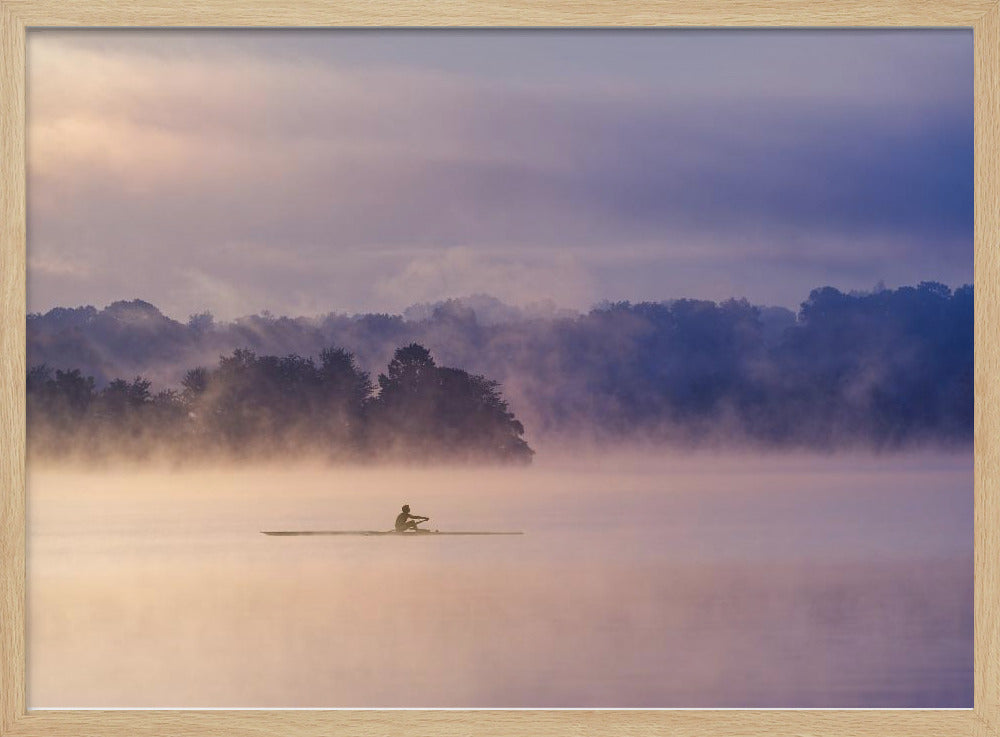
{"x": 369, "y": 533}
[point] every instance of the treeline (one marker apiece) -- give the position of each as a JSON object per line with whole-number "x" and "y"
{"x": 886, "y": 369}
{"x": 252, "y": 406}
{"x": 883, "y": 370}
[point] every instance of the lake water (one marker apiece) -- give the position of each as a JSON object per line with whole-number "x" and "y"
{"x": 640, "y": 581}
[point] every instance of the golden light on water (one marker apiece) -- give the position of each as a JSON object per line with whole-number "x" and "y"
{"x": 640, "y": 581}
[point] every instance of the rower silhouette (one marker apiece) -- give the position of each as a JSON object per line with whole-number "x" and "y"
{"x": 406, "y": 521}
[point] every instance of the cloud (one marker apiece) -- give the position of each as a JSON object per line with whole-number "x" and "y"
{"x": 332, "y": 170}
{"x": 512, "y": 276}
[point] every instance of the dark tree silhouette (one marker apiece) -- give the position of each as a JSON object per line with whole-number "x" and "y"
{"x": 57, "y": 406}
{"x": 262, "y": 406}
{"x": 885, "y": 369}
{"x": 443, "y": 412}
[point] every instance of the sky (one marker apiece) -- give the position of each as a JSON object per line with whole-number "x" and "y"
{"x": 306, "y": 171}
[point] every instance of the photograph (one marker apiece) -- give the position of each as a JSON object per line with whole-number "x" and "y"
{"x": 499, "y": 368}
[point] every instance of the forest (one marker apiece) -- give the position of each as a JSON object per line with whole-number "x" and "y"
{"x": 263, "y": 407}
{"x": 886, "y": 369}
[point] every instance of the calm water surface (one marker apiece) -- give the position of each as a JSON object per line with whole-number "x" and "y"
{"x": 640, "y": 582}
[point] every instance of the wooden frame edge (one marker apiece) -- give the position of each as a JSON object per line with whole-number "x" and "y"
{"x": 987, "y": 368}
{"x": 751, "y": 723}
{"x": 588, "y": 13}
{"x": 15, "y": 18}
{"x": 12, "y": 369}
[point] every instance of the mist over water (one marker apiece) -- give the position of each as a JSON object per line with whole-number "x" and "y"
{"x": 642, "y": 580}
{"x": 735, "y": 399}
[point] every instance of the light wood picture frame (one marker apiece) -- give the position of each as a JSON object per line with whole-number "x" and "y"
{"x": 18, "y": 16}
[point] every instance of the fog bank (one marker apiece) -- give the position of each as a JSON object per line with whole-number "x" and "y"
{"x": 884, "y": 369}
{"x": 709, "y": 580}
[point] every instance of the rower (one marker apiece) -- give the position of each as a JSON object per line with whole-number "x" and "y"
{"x": 406, "y": 521}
